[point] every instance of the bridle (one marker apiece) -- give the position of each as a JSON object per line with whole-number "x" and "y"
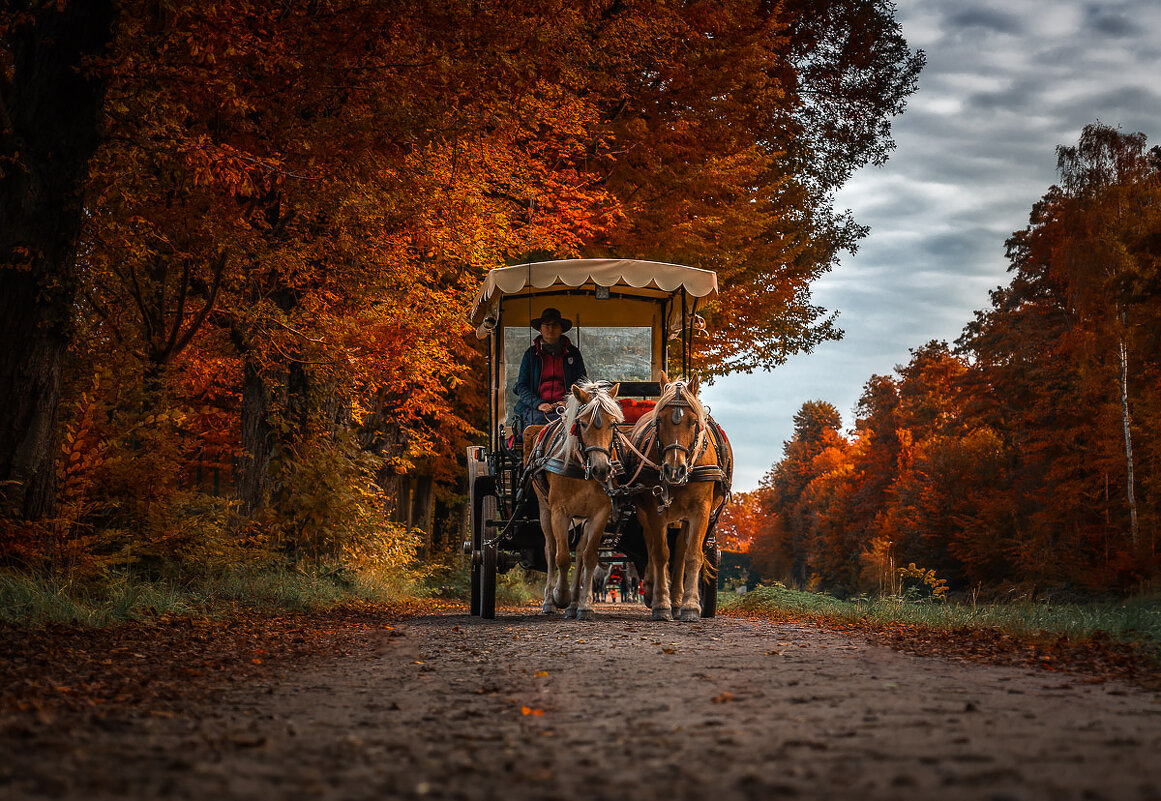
{"x": 694, "y": 450}
{"x": 585, "y": 451}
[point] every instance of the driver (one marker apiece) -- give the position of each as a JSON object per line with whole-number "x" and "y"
{"x": 550, "y": 367}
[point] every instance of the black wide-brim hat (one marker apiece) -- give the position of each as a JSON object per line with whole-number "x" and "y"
{"x": 547, "y": 316}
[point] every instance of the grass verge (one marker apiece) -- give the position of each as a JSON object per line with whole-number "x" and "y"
{"x": 1135, "y": 621}
{"x": 28, "y": 599}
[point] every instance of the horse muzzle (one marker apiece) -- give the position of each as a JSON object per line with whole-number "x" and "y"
{"x": 674, "y": 474}
{"x": 598, "y": 470}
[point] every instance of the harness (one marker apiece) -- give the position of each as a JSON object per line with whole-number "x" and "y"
{"x": 547, "y": 456}
{"x": 646, "y": 440}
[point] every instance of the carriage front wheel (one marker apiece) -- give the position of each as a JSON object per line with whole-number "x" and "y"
{"x": 488, "y": 581}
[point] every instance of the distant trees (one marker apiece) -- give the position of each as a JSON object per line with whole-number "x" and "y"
{"x": 1027, "y": 455}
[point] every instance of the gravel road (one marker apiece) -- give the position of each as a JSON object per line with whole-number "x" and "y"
{"x": 527, "y": 707}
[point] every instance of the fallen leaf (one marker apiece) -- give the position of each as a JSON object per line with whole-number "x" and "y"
{"x": 723, "y": 698}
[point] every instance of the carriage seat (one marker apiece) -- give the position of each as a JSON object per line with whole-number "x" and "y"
{"x": 634, "y": 409}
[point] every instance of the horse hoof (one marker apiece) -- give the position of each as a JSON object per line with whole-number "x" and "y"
{"x": 662, "y": 614}
{"x": 570, "y": 612}
{"x": 584, "y": 614}
{"x": 675, "y": 611}
{"x": 548, "y": 610}
{"x": 690, "y": 615}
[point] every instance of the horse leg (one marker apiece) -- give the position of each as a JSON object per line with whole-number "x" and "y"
{"x": 576, "y": 577}
{"x": 676, "y": 571}
{"x": 694, "y": 557}
{"x": 587, "y": 554}
{"x": 549, "y": 555}
{"x": 560, "y": 593}
{"x": 658, "y": 545}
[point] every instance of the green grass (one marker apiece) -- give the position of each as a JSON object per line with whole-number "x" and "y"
{"x": 31, "y": 600}
{"x": 34, "y": 600}
{"x": 37, "y": 599}
{"x": 1131, "y": 620}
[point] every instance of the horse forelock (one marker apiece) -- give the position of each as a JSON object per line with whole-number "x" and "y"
{"x": 599, "y": 402}
{"x": 677, "y": 393}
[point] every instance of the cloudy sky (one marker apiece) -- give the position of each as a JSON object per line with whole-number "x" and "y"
{"x": 1005, "y": 83}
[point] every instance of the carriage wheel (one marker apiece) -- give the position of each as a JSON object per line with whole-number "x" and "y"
{"x": 488, "y": 582}
{"x": 709, "y": 584}
{"x": 484, "y": 506}
{"x": 477, "y": 574}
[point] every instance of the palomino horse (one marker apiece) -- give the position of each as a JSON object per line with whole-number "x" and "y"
{"x": 692, "y": 463}
{"x": 570, "y": 466}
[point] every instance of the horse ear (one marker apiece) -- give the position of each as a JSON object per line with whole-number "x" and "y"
{"x": 613, "y": 390}
{"x": 693, "y": 386}
{"x": 664, "y": 378}
{"x": 580, "y": 394}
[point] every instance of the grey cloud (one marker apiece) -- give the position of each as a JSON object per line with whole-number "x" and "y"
{"x": 1111, "y": 23}
{"x": 987, "y": 19}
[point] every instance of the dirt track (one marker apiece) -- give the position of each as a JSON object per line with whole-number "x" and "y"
{"x": 526, "y": 707}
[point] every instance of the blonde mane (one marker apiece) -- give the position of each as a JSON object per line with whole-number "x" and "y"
{"x": 600, "y": 400}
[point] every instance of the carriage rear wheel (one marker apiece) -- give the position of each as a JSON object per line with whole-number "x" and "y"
{"x": 709, "y": 583}
{"x": 484, "y": 507}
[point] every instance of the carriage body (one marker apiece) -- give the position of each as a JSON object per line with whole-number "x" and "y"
{"x": 632, "y": 320}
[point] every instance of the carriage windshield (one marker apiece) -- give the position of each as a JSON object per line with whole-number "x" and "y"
{"x": 611, "y": 353}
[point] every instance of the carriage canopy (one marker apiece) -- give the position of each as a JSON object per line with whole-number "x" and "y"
{"x": 623, "y": 311}
{"x": 633, "y": 277}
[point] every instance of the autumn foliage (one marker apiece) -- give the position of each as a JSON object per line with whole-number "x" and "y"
{"x": 1026, "y": 455}
{"x": 280, "y": 212}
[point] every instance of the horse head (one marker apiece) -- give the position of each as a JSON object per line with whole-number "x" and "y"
{"x": 592, "y": 415}
{"x": 681, "y": 420}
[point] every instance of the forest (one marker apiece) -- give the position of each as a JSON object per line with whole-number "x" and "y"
{"x": 238, "y": 241}
{"x": 1024, "y": 456}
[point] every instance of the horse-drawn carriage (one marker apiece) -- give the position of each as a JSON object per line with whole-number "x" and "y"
{"x": 628, "y": 316}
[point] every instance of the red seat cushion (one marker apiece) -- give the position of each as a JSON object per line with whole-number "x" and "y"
{"x": 634, "y": 409}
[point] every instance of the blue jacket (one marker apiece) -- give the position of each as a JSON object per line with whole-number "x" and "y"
{"x": 528, "y": 382}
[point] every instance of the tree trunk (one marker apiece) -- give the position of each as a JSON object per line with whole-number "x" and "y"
{"x": 1134, "y": 531}
{"x": 253, "y": 480}
{"x": 49, "y": 128}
